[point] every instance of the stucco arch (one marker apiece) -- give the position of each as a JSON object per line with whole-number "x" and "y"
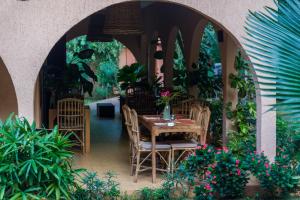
{"x": 8, "y": 98}
{"x": 31, "y": 31}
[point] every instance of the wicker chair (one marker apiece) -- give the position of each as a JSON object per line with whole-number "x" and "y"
{"x": 145, "y": 148}
{"x": 127, "y": 116}
{"x": 70, "y": 118}
{"x": 204, "y": 123}
{"x": 183, "y": 107}
{"x": 188, "y": 145}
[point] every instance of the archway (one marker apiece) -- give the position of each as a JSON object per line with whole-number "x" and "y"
{"x": 8, "y": 99}
{"x": 165, "y": 27}
{"x": 108, "y": 58}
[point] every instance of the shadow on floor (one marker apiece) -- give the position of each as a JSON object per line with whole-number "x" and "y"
{"x": 110, "y": 150}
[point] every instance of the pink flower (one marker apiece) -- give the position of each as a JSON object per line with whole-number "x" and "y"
{"x": 207, "y": 173}
{"x": 238, "y": 172}
{"x": 225, "y": 149}
{"x": 214, "y": 165}
{"x": 237, "y": 162}
{"x": 204, "y": 146}
{"x": 207, "y": 187}
{"x": 198, "y": 147}
{"x": 267, "y": 165}
{"x": 166, "y": 93}
{"x": 208, "y": 150}
{"x": 267, "y": 173}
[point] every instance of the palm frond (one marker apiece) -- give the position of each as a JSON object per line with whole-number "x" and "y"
{"x": 273, "y": 43}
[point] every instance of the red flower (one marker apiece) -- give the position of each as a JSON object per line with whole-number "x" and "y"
{"x": 237, "y": 162}
{"x": 225, "y": 149}
{"x": 166, "y": 93}
{"x": 207, "y": 187}
{"x": 267, "y": 165}
{"x": 238, "y": 172}
{"x": 207, "y": 173}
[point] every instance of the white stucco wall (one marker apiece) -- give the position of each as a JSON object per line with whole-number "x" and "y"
{"x": 29, "y": 29}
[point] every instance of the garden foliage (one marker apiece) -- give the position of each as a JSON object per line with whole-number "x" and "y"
{"x": 34, "y": 164}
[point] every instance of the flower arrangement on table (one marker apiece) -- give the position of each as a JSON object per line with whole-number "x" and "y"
{"x": 165, "y": 97}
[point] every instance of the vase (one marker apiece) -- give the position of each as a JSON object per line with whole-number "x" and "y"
{"x": 167, "y": 112}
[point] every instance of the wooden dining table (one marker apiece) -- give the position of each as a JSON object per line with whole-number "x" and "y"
{"x": 156, "y": 125}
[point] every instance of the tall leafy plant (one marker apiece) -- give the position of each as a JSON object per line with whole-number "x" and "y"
{"x": 273, "y": 44}
{"x": 104, "y": 62}
{"x": 179, "y": 67}
{"x": 76, "y": 74}
{"x": 131, "y": 76}
{"x": 208, "y": 79}
{"x": 34, "y": 164}
{"x": 242, "y": 138}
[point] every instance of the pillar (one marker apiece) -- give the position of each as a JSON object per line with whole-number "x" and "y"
{"x": 169, "y": 57}
{"x": 228, "y": 50}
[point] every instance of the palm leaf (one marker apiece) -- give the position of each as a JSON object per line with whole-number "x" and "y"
{"x": 273, "y": 43}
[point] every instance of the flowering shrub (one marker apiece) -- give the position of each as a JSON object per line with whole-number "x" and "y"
{"x": 227, "y": 177}
{"x": 277, "y": 178}
{"x": 216, "y": 171}
{"x": 200, "y": 160}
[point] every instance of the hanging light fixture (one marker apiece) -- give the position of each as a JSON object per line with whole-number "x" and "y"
{"x": 123, "y": 19}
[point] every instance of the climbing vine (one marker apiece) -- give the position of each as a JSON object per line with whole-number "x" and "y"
{"x": 241, "y": 139}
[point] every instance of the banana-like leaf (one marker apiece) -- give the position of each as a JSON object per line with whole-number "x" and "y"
{"x": 86, "y": 54}
{"x": 273, "y": 43}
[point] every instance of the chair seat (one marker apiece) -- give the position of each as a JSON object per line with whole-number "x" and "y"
{"x": 158, "y": 146}
{"x": 183, "y": 144}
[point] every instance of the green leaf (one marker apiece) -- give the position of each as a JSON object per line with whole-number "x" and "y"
{"x": 86, "y": 54}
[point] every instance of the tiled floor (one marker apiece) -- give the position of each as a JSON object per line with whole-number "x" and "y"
{"x": 109, "y": 151}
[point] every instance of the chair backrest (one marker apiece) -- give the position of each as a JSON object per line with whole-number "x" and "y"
{"x": 204, "y": 122}
{"x": 70, "y": 114}
{"x": 195, "y": 112}
{"x": 135, "y": 129}
{"x": 127, "y": 117}
{"x": 184, "y": 106}
{"x": 141, "y": 100}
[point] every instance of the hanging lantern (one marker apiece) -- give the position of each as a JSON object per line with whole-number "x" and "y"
{"x": 123, "y": 19}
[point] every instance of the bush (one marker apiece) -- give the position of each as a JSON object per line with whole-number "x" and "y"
{"x": 34, "y": 164}
{"x": 93, "y": 188}
{"x": 226, "y": 177}
{"x": 276, "y": 178}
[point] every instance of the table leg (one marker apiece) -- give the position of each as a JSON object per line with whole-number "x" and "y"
{"x": 153, "y": 158}
{"x": 87, "y": 131}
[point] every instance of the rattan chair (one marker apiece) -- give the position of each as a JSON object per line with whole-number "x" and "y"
{"x": 183, "y": 107}
{"x": 142, "y": 148}
{"x": 128, "y": 124}
{"x": 70, "y": 118}
{"x": 204, "y": 123}
{"x": 188, "y": 145}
